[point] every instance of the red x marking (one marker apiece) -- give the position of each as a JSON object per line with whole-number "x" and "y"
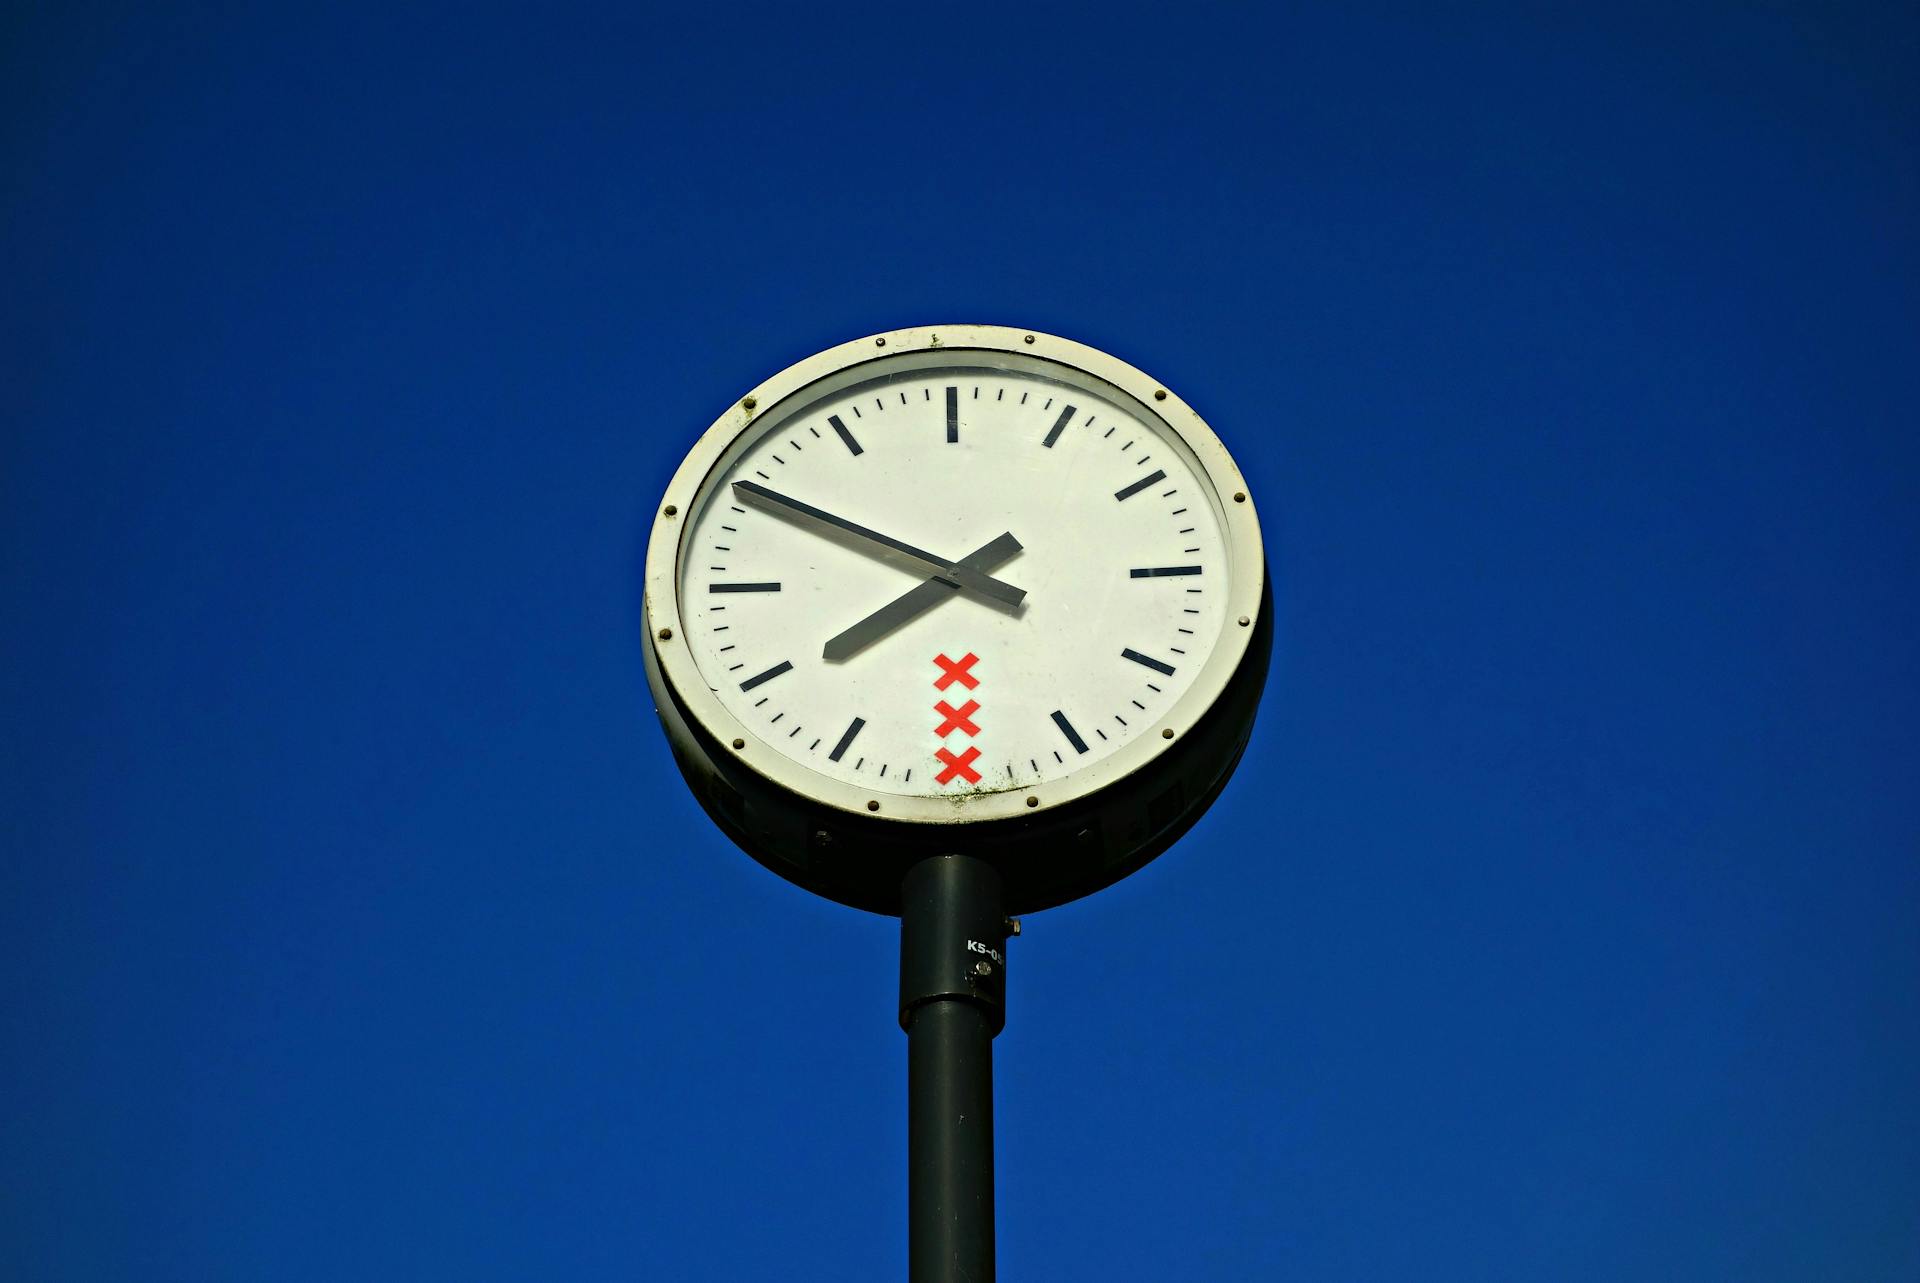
{"x": 961, "y": 765}
{"x": 956, "y": 671}
{"x": 958, "y": 719}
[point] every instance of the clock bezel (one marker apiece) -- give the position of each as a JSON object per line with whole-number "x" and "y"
{"x": 666, "y": 630}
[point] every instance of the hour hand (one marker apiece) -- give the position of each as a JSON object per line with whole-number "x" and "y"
{"x": 805, "y": 514}
{"x": 914, "y": 603}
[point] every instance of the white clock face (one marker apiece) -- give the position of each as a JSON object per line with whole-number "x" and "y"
{"x": 944, "y": 573}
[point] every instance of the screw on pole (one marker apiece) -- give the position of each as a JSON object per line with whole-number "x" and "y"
{"x": 953, "y": 935}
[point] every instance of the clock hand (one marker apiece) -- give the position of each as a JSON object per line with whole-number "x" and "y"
{"x": 807, "y": 515}
{"x": 914, "y": 602}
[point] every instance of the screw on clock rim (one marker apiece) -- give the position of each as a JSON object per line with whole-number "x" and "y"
{"x": 1145, "y": 396}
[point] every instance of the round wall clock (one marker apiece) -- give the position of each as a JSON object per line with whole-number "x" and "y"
{"x": 957, "y": 589}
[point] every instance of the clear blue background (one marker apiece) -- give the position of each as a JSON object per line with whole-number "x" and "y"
{"x": 1560, "y": 924}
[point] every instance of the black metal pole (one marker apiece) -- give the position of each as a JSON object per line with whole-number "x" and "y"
{"x": 953, "y": 933}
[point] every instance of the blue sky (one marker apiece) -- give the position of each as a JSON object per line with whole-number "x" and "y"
{"x": 1560, "y": 922}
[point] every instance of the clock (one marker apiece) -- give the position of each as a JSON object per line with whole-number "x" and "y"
{"x": 957, "y": 589}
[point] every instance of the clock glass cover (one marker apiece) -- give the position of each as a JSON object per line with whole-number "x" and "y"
{"x": 947, "y": 572}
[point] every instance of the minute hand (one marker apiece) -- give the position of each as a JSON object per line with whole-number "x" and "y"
{"x": 806, "y": 514}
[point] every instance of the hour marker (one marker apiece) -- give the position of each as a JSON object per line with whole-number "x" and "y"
{"x": 1141, "y": 484}
{"x": 957, "y": 765}
{"x": 1156, "y": 665}
{"x": 853, "y": 729}
{"x": 1066, "y": 729}
{"x": 1059, "y": 424}
{"x": 779, "y": 668}
{"x": 953, "y": 415}
{"x": 743, "y": 587}
{"x": 846, "y": 437}
{"x": 1161, "y": 572}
